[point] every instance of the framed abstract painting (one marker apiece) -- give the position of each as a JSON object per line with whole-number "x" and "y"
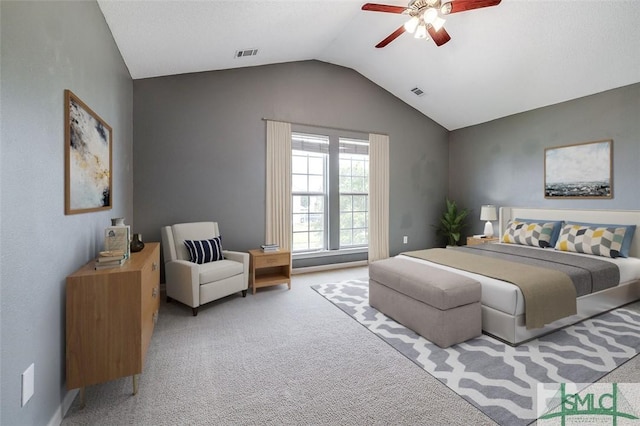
{"x": 88, "y": 159}
{"x": 583, "y": 170}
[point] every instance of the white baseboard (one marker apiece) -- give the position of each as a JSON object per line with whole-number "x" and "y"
{"x": 64, "y": 407}
{"x": 329, "y": 267}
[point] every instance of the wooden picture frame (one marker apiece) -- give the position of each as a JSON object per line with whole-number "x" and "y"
{"x": 579, "y": 171}
{"x": 88, "y": 158}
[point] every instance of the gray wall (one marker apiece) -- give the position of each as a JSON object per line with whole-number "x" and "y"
{"x": 47, "y": 47}
{"x": 199, "y": 150}
{"x": 502, "y": 162}
{"x": 200, "y": 153}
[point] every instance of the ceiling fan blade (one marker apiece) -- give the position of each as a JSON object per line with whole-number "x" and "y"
{"x": 439, "y": 37}
{"x": 394, "y": 35}
{"x": 374, "y": 7}
{"x": 463, "y": 5}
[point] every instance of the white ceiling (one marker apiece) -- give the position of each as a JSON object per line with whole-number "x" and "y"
{"x": 501, "y": 60}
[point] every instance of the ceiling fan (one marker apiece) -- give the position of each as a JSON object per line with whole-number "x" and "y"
{"x": 426, "y": 17}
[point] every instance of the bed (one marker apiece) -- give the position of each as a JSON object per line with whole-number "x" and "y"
{"x": 503, "y": 305}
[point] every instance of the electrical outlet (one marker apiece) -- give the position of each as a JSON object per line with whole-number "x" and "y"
{"x": 28, "y": 384}
{"x": 405, "y": 239}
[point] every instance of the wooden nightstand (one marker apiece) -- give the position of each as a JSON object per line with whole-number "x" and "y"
{"x": 471, "y": 241}
{"x": 269, "y": 268}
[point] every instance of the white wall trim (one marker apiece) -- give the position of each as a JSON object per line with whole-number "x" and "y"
{"x": 64, "y": 408}
{"x": 318, "y": 268}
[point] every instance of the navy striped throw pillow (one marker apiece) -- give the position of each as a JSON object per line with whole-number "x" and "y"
{"x": 205, "y": 251}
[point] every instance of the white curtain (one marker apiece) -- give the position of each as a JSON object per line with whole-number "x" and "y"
{"x": 278, "y": 196}
{"x": 378, "y": 197}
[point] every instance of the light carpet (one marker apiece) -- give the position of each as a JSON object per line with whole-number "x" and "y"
{"x": 279, "y": 357}
{"x": 498, "y": 379}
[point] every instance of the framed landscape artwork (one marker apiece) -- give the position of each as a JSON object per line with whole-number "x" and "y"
{"x": 579, "y": 171}
{"x": 88, "y": 160}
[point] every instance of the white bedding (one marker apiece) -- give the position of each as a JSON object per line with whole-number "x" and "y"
{"x": 507, "y": 297}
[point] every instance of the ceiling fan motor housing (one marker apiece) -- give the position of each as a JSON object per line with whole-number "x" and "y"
{"x": 417, "y": 6}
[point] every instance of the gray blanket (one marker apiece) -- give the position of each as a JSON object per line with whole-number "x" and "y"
{"x": 550, "y": 281}
{"x": 548, "y": 294}
{"x": 588, "y": 274}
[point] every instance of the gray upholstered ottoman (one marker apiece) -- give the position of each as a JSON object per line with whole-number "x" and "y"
{"x": 441, "y": 306}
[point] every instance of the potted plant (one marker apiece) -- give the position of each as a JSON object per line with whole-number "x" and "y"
{"x": 451, "y": 223}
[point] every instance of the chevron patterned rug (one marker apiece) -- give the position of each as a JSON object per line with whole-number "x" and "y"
{"x": 498, "y": 379}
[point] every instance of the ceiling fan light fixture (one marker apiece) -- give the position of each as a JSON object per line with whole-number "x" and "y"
{"x": 421, "y": 31}
{"x": 438, "y": 23}
{"x": 445, "y": 9}
{"x": 411, "y": 25}
{"x": 430, "y": 15}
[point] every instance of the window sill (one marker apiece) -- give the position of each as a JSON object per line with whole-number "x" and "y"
{"x": 329, "y": 253}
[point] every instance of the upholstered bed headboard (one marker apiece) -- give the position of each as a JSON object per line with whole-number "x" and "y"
{"x": 617, "y": 217}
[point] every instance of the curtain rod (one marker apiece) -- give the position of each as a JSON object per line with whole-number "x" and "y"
{"x": 323, "y": 127}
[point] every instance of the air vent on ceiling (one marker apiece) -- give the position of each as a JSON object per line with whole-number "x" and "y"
{"x": 246, "y": 52}
{"x": 417, "y": 91}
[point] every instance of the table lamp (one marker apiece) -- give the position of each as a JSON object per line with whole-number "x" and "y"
{"x": 488, "y": 213}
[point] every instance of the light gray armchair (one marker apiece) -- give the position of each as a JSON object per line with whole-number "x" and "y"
{"x": 196, "y": 284}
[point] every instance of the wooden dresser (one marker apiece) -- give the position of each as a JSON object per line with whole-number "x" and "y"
{"x": 110, "y": 318}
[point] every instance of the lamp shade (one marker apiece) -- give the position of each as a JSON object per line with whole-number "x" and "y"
{"x": 488, "y": 212}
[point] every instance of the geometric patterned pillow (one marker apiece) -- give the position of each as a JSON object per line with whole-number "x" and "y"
{"x": 628, "y": 235}
{"x": 205, "y": 251}
{"x": 528, "y": 233}
{"x": 601, "y": 241}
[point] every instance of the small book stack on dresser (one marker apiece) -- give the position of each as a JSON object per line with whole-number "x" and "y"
{"x": 110, "y": 259}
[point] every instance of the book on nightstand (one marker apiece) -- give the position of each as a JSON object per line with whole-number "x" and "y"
{"x": 106, "y": 259}
{"x": 110, "y": 264}
{"x": 270, "y": 247}
{"x": 110, "y": 259}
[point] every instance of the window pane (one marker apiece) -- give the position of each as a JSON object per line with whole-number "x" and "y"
{"x": 345, "y": 184}
{"x": 359, "y": 236}
{"x": 301, "y": 240}
{"x": 316, "y": 183}
{"x": 345, "y": 166}
{"x": 345, "y": 203}
{"x": 359, "y": 220}
{"x": 300, "y": 204}
{"x": 316, "y": 204}
{"x": 299, "y": 183}
{"x": 316, "y": 222}
{"x": 357, "y": 184}
{"x": 358, "y": 168}
{"x": 299, "y": 164}
{"x": 360, "y": 203}
{"x": 300, "y": 222}
{"x": 316, "y": 240}
{"x": 345, "y": 237}
{"x": 316, "y": 165}
{"x": 346, "y": 220}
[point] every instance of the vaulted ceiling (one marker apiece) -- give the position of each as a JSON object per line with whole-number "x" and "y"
{"x": 501, "y": 60}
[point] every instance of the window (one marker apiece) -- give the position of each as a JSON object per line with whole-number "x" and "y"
{"x": 330, "y": 190}
{"x": 354, "y": 193}
{"x": 309, "y": 190}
